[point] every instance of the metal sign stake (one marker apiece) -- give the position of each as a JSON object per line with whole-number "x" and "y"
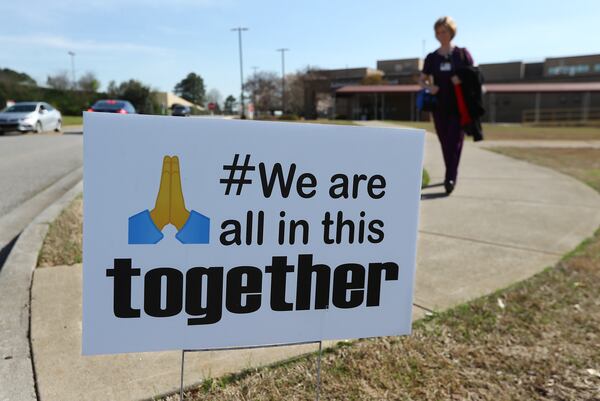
{"x": 252, "y": 347}
{"x": 319, "y": 371}
{"x": 181, "y": 383}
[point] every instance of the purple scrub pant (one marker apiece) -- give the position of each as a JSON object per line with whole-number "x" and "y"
{"x": 451, "y": 138}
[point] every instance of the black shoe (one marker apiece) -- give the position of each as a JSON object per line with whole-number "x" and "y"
{"x": 449, "y": 186}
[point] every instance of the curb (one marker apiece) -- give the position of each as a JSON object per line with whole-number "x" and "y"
{"x": 18, "y": 219}
{"x": 17, "y": 381}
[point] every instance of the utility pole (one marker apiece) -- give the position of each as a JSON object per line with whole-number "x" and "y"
{"x": 239, "y": 30}
{"x": 254, "y": 68}
{"x": 72, "y": 54}
{"x": 283, "y": 78}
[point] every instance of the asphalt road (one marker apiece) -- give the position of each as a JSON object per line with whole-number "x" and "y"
{"x": 30, "y": 163}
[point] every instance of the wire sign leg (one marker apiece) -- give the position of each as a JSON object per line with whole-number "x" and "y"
{"x": 319, "y": 371}
{"x": 181, "y": 383}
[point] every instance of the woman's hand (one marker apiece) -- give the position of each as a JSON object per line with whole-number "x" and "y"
{"x": 456, "y": 80}
{"x": 434, "y": 89}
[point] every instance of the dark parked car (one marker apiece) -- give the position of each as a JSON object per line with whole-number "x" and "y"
{"x": 113, "y": 106}
{"x": 181, "y": 110}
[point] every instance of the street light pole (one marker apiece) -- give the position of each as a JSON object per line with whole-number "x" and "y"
{"x": 239, "y": 30}
{"x": 72, "y": 54}
{"x": 283, "y": 78}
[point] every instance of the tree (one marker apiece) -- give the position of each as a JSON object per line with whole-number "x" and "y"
{"x": 229, "y": 104}
{"x": 191, "y": 88}
{"x": 13, "y": 77}
{"x": 214, "y": 96}
{"x": 265, "y": 91}
{"x": 59, "y": 80}
{"x": 140, "y": 95}
{"x": 88, "y": 82}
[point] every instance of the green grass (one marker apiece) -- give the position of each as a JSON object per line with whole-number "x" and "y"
{"x": 520, "y": 131}
{"x": 425, "y": 179}
{"x": 72, "y": 120}
{"x": 536, "y": 340}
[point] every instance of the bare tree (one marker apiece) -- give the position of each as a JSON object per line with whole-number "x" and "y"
{"x": 214, "y": 96}
{"x": 60, "y": 80}
{"x": 264, "y": 88}
{"x": 296, "y": 88}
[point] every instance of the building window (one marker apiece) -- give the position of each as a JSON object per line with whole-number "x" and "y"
{"x": 570, "y": 69}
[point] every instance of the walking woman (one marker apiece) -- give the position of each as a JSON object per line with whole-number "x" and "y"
{"x": 439, "y": 77}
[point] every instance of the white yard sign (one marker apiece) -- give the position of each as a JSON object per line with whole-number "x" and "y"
{"x": 203, "y": 233}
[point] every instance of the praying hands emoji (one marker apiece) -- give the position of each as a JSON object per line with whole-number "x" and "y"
{"x": 146, "y": 227}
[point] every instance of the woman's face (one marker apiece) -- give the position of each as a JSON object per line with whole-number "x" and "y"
{"x": 442, "y": 34}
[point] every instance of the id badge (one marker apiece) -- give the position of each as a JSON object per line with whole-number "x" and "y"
{"x": 445, "y": 66}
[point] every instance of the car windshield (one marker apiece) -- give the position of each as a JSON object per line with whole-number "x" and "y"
{"x": 179, "y": 108}
{"x": 108, "y": 105}
{"x": 20, "y": 108}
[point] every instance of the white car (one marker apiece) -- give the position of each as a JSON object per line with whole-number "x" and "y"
{"x": 30, "y": 116}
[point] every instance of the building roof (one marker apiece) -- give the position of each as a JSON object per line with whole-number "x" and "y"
{"x": 490, "y": 88}
{"x": 378, "y": 89}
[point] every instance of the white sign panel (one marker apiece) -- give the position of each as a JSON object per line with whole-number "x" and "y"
{"x": 204, "y": 233}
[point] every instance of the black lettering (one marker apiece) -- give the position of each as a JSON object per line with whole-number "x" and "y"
{"x": 285, "y": 184}
{"x": 356, "y": 184}
{"x": 301, "y": 184}
{"x": 153, "y": 291}
{"x": 304, "y": 284}
{"x": 355, "y": 286}
{"x": 235, "y": 232}
{"x": 374, "y": 284}
{"x": 237, "y": 292}
{"x": 327, "y": 222}
{"x": 261, "y": 228}
{"x": 279, "y": 270}
{"x": 194, "y": 278}
{"x": 249, "y": 218}
{"x": 342, "y": 187}
{"x": 378, "y": 237}
{"x": 122, "y": 273}
{"x": 294, "y": 224}
{"x": 340, "y": 224}
{"x": 380, "y": 184}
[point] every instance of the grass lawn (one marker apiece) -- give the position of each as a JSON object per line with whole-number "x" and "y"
{"x": 496, "y": 132}
{"x": 537, "y": 340}
{"x": 72, "y": 120}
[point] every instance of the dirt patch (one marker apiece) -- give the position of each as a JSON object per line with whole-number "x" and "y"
{"x": 63, "y": 243}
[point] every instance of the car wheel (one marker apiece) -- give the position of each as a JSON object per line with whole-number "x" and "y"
{"x": 58, "y": 126}
{"x": 38, "y": 128}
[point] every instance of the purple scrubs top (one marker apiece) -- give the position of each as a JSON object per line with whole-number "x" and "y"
{"x": 442, "y": 68}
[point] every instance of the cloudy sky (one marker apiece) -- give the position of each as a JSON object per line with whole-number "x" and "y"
{"x": 159, "y": 42}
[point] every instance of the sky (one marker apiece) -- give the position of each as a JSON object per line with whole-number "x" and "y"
{"x": 160, "y": 42}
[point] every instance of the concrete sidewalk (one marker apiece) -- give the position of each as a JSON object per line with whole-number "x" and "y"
{"x": 540, "y": 143}
{"x": 505, "y": 221}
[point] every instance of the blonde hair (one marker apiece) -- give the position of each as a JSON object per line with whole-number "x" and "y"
{"x": 448, "y": 23}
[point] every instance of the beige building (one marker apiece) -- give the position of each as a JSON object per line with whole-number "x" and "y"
{"x": 168, "y": 99}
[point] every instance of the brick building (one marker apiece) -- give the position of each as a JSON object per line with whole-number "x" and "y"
{"x": 565, "y": 89}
